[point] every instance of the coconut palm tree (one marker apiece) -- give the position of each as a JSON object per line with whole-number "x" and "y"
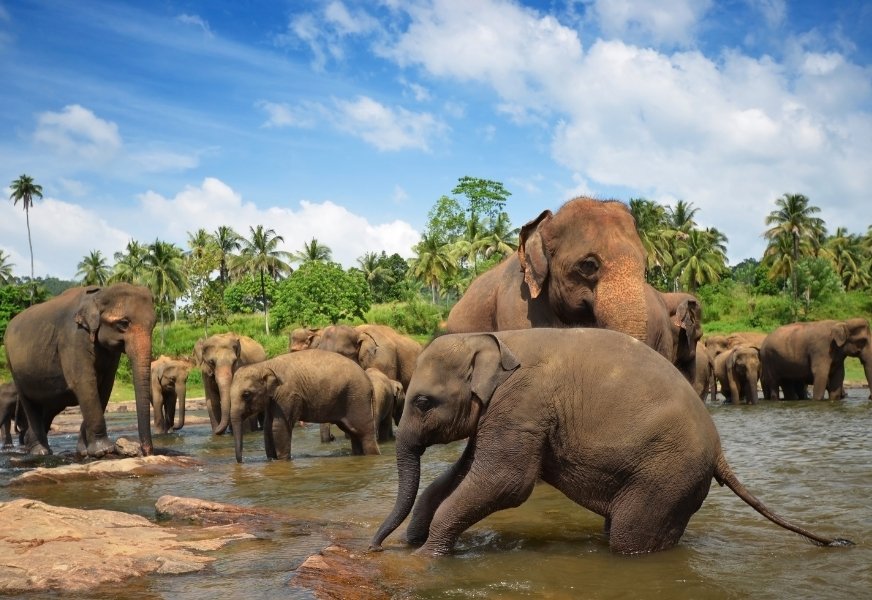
{"x": 794, "y": 218}
{"x": 699, "y": 260}
{"x": 680, "y": 218}
{"x": 652, "y": 225}
{"x": 373, "y": 269}
{"x": 5, "y": 269}
{"x": 313, "y": 251}
{"x": 846, "y": 253}
{"x": 433, "y": 264}
{"x": 130, "y": 265}
{"x": 227, "y": 242}
{"x": 164, "y": 276}
{"x": 472, "y": 243}
{"x": 199, "y": 243}
{"x": 501, "y": 238}
{"x": 24, "y": 189}
{"x": 260, "y": 255}
{"x": 93, "y": 269}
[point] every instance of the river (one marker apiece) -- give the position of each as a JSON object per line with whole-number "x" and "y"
{"x": 810, "y": 462}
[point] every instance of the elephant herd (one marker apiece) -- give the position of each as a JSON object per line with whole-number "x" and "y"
{"x": 559, "y": 364}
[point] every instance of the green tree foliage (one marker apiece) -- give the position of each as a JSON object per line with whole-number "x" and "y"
{"x": 14, "y": 298}
{"x": 261, "y": 256}
{"x": 5, "y": 269}
{"x": 227, "y": 242}
{"x": 320, "y": 293}
{"x": 164, "y": 277}
{"x": 485, "y": 198}
{"x": 245, "y": 295}
{"x": 817, "y": 281}
{"x": 130, "y": 265}
{"x": 24, "y": 189}
{"x": 93, "y": 269}
{"x": 392, "y": 284}
{"x": 313, "y": 251}
{"x": 205, "y": 296}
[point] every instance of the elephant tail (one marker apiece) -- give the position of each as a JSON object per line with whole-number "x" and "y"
{"x": 724, "y": 476}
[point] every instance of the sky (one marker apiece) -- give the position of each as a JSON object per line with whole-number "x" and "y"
{"x": 346, "y": 121}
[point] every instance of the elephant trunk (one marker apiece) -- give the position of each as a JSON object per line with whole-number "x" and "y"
{"x": 620, "y": 301}
{"x": 181, "y": 390}
{"x": 223, "y": 379}
{"x": 138, "y": 350}
{"x": 236, "y": 423}
{"x": 409, "y": 472}
{"x": 751, "y": 377}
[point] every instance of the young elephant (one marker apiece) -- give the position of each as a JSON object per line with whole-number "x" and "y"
{"x": 169, "y": 378}
{"x": 387, "y": 403}
{"x": 743, "y": 371}
{"x": 315, "y": 386}
{"x": 627, "y": 439}
{"x": 11, "y": 410}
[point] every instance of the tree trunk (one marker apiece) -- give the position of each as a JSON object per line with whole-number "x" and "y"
{"x": 29, "y": 245}
{"x": 263, "y": 297}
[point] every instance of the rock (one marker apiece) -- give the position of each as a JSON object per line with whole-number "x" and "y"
{"x": 205, "y": 512}
{"x": 45, "y": 547}
{"x": 125, "y": 447}
{"x": 124, "y": 467}
{"x": 338, "y": 573}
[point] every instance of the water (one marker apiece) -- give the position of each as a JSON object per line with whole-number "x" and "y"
{"x": 808, "y": 461}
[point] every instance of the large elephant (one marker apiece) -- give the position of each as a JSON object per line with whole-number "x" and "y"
{"x": 628, "y": 439}
{"x": 219, "y": 356}
{"x": 387, "y": 403}
{"x": 11, "y": 410}
{"x": 583, "y": 266}
{"x": 169, "y": 380}
{"x": 65, "y": 352}
{"x": 315, "y": 386}
{"x": 374, "y": 346}
{"x": 743, "y": 372}
{"x": 814, "y": 353}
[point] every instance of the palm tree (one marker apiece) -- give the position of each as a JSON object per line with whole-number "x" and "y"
{"x": 93, "y": 269}
{"x": 501, "y": 238}
{"x": 794, "y": 219}
{"x": 164, "y": 276}
{"x": 434, "y": 264}
{"x": 199, "y": 242}
{"x": 846, "y": 253}
{"x": 681, "y": 217}
{"x": 5, "y": 268}
{"x": 227, "y": 241}
{"x": 130, "y": 266}
{"x": 24, "y": 189}
{"x": 313, "y": 251}
{"x": 652, "y": 225}
{"x": 700, "y": 259}
{"x": 372, "y": 268}
{"x": 260, "y": 254}
{"x": 471, "y": 243}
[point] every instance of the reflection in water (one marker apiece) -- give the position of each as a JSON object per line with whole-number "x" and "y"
{"x": 807, "y": 461}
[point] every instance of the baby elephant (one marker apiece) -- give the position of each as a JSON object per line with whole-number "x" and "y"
{"x": 628, "y": 440}
{"x": 387, "y": 403}
{"x": 314, "y": 386}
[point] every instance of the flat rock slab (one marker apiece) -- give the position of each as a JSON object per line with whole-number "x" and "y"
{"x": 205, "y": 512}
{"x": 124, "y": 467}
{"x": 45, "y": 547}
{"x": 338, "y": 573}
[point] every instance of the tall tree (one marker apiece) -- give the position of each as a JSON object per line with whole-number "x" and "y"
{"x": 700, "y": 259}
{"x": 261, "y": 256}
{"x": 24, "y": 189}
{"x": 130, "y": 265}
{"x": 5, "y": 269}
{"x": 200, "y": 243}
{"x": 228, "y": 242}
{"x": 313, "y": 251}
{"x": 656, "y": 234}
{"x": 164, "y": 276}
{"x": 501, "y": 238}
{"x": 846, "y": 253}
{"x": 486, "y": 198}
{"x": 433, "y": 264}
{"x": 471, "y": 243}
{"x": 93, "y": 269}
{"x": 373, "y": 269}
{"x": 681, "y": 216}
{"x": 794, "y": 220}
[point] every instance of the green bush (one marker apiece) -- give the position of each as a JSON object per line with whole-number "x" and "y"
{"x": 320, "y": 293}
{"x": 412, "y": 318}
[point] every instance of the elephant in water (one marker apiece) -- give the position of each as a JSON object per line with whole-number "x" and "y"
{"x": 169, "y": 379}
{"x": 628, "y": 439}
{"x": 65, "y": 352}
{"x": 11, "y": 410}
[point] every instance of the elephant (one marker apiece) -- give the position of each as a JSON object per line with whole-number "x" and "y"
{"x": 303, "y": 338}
{"x": 387, "y": 403}
{"x": 11, "y": 410}
{"x": 814, "y": 353}
{"x": 169, "y": 378}
{"x": 716, "y": 344}
{"x": 743, "y": 371}
{"x": 218, "y": 357}
{"x": 704, "y": 381}
{"x": 65, "y": 352}
{"x": 675, "y": 327}
{"x": 315, "y": 386}
{"x": 628, "y": 439}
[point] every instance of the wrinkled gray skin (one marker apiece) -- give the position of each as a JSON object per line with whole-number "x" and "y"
{"x": 387, "y": 403}
{"x": 304, "y": 338}
{"x": 743, "y": 371}
{"x": 218, "y": 357}
{"x": 169, "y": 380}
{"x": 814, "y": 353}
{"x": 65, "y": 352}
{"x": 642, "y": 448}
{"x": 11, "y": 410}
{"x": 675, "y": 328}
{"x": 704, "y": 382}
{"x": 315, "y": 386}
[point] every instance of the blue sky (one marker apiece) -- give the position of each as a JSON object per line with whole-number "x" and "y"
{"x": 346, "y": 121}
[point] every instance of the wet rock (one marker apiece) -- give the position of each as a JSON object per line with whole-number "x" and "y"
{"x": 336, "y": 572}
{"x": 205, "y": 512}
{"x": 125, "y": 447}
{"x": 45, "y": 547}
{"x": 124, "y": 467}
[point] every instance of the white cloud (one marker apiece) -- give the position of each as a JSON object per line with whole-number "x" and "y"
{"x": 773, "y": 11}
{"x": 78, "y": 132}
{"x": 659, "y": 22}
{"x": 196, "y": 21}
{"x": 285, "y": 115}
{"x": 385, "y": 127}
{"x": 324, "y": 32}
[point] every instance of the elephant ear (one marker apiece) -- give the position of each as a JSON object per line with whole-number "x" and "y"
{"x": 840, "y": 334}
{"x": 88, "y": 314}
{"x": 367, "y": 347}
{"x": 685, "y": 320}
{"x": 492, "y": 363}
{"x": 271, "y": 381}
{"x": 533, "y": 254}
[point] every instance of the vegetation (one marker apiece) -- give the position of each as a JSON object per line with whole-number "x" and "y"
{"x": 24, "y": 189}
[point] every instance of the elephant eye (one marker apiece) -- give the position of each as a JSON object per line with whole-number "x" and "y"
{"x": 588, "y": 267}
{"x": 122, "y": 324}
{"x": 424, "y": 403}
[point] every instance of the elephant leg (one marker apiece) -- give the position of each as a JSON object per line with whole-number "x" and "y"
{"x": 278, "y": 430}
{"x": 169, "y": 411}
{"x": 434, "y": 494}
{"x": 7, "y": 433}
{"x": 385, "y": 429}
{"x": 835, "y": 384}
{"x": 326, "y": 435}
{"x": 35, "y": 439}
{"x": 362, "y": 436}
{"x": 93, "y": 435}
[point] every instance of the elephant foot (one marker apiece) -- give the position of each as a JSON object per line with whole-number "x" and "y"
{"x": 38, "y": 449}
{"x": 7, "y": 446}
{"x": 96, "y": 449}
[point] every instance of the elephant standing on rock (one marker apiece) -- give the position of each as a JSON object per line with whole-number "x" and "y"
{"x": 219, "y": 356}
{"x": 387, "y": 403}
{"x": 65, "y": 352}
{"x": 814, "y": 353}
{"x": 628, "y": 439}
{"x": 11, "y": 410}
{"x": 315, "y": 386}
{"x": 169, "y": 379}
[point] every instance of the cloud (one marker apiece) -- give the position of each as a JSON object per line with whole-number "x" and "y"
{"x": 325, "y": 31}
{"x": 197, "y": 22}
{"x": 773, "y": 11}
{"x": 664, "y": 22}
{"x": 78, "y": 132}
{"x": 284, "y": 115}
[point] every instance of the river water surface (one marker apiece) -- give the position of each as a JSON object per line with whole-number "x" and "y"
{"x": 810, "y": 462}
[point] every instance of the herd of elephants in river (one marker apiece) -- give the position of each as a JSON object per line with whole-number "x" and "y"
{"x": 560, "y": 364}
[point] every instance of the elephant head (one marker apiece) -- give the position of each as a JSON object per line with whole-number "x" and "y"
{"x": 169, "y": 377}
{"x": 342, "y": 339}
{"x": 120, "y": 318}
{"x": 445, "y": 399}
{"x": 589, "y": 259}
{"x": 250, "y": 393}
{"x": 853, "y": 338}
{"x": 744, "y": 370}
{"x": 303, "y": 338}
{"x": 685, "y": 316}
